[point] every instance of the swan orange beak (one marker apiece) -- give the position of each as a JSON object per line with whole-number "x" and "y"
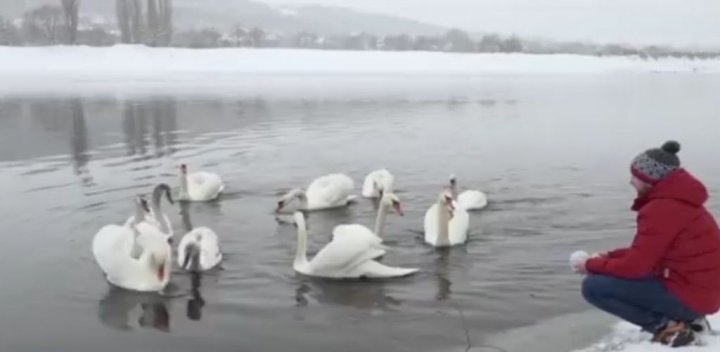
{"x": 398, "y": 209}
{"x": 161, "y": 273}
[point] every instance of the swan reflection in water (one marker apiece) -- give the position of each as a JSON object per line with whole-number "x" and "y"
{"x": 352, "y": 293}
{"x": 122, "y": 309}
{"x": 126, "y": 310}
{"x": 196, "y": 302}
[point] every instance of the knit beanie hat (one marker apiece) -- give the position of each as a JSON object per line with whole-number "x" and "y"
{"x": 652, "y": 165}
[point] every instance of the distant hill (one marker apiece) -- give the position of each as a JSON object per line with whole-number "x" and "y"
{"x": 223, "y": 14}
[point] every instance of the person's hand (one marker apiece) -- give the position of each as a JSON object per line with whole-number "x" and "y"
{"x": 580, "y": 267}
{"x": 577, "y": 261}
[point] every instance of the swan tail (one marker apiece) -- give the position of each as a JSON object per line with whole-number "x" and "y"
{"x": 351, "y": 198}
{"x": 373, "y": 269}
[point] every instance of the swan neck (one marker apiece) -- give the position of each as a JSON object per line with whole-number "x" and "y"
{"x": 443, "y": 223}
{"x": 159, "y": 216}
{"x": 183, "y": 184}
{"x": 380, "y": 219}
{"x": 185, "y": 215}
{"x": 301, "y": 253}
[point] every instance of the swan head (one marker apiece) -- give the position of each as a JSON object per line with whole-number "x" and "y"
{"x": 289, "y": 197}
{"x": 453, "y": 180}
{"x": 445, "y": 198}
{"x": 391, "y": 200}
{"x": 183, "y": 169}
{"x": 157, "y": 249}
{"x": 192, "y": 257}
{"x": 142, "y": 207}
{"x": 159, "y": 190}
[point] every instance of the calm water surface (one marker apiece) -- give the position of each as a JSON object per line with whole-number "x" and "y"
{"x": 552, "y": 153}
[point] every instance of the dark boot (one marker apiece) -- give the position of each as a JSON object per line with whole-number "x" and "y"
{"x": 675, "y": 334}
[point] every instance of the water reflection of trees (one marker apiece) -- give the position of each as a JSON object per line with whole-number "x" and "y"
{"x": 79, "y": 142}
{"x": 160, "y": 115}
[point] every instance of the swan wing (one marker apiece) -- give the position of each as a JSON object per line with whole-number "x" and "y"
{"x": 382, "y": 179}
{"x": 344, "y": 253}
{"x": 356, "y": 230}
{"x": 430, "y": 225}
{"x": 329, "y": 190}
{"x": 459, "y": 226}
{"x": 204, "y": 185}
{"x": 109, "y": 243}
{"x": 374, "y": 269}
{"x": 472, "y": 200}
{"x": 114, "y": 247}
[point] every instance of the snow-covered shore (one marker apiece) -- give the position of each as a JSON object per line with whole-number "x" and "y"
{"x": 140, "y": 61}
{"x": 628, "y": 338}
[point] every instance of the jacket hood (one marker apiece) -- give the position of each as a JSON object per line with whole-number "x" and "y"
{"x": 680, "y": 186}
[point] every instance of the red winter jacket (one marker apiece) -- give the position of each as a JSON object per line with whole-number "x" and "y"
{"x": 677, "y": 239}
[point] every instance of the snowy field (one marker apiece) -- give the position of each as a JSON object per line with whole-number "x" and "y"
{"x": 627, "y": 338}
{"x": 136, "y": 61}
{"x": 139, "y": 70}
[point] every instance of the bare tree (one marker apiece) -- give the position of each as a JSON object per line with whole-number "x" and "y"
{"x": 9, "y": 34}
{"x": 459, "y": 41}
{"x": 238, "y": 35}
{"x": 165, "y": 15}
{"x": 257, "y": 36}
{"x": 43, "y": 25}
{"x": 153, "y": 23}
{"x": 205, "y": 38}
{"x": 71, "y": 9}
{"x": 96, "y": 36}
{"x": 137, "y": 22}
{"x": 122, "y": 11}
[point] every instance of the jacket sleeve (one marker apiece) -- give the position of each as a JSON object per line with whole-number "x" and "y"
{"x": 617, "y": 253}
{"x": 657, "y": 226}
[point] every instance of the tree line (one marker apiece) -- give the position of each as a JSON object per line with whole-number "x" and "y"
{"x": 150, "y": 22}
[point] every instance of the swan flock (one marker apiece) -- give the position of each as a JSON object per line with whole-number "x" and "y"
{"x": 138, "y": 255}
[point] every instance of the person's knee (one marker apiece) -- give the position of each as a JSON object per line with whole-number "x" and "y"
{"x": 594, "y": 287}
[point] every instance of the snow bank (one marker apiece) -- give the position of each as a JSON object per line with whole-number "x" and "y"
{"x": 628, "y": 338}
{"x": 140, "y": 61}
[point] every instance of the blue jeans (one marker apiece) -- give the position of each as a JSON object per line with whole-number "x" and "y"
{"x": 645, "y": 302}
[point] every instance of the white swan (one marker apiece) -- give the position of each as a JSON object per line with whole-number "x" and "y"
{"x": 469, "y": 199}
{"x": 199, "y": 250}
{"x": 377, "y": 182}
{"x": 325, "y": 192}
{"x": 154, "y": 214}
{"x": 446, "y": 225}
{"x": 200, "y": 186}
{"x": 346, "y": 256}
{"x": 135, "y": 256}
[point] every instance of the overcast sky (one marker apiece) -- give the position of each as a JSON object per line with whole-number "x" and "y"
{"x": 679, "y": 22}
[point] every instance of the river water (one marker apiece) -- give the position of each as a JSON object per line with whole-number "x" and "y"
{"x": 551, "y": 152}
